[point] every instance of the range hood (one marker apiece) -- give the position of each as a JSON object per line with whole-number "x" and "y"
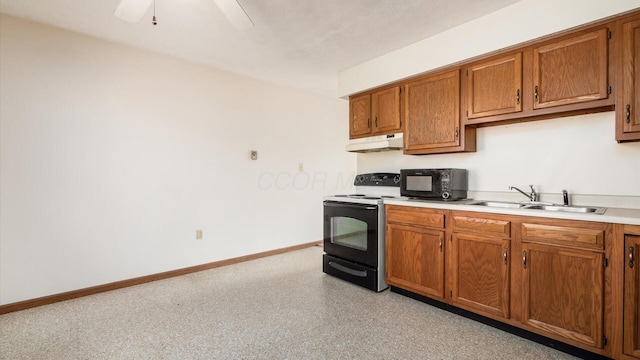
{"x": 376, "y": 143}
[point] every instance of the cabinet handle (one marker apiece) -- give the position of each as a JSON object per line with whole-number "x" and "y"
{"x": 440, "y": 244}
{"x": 535, "y": 94}
{"x": 457, "y": 133}
{"x": 376, "y": 121}
{"x": 631, "y": 263}
{"x": 628, "y": 119}
{"x": 524, "y": 259}
{"x": 518, "y": 97}
{"x": 504, "y": 255}
{"x": 369, "y": 123}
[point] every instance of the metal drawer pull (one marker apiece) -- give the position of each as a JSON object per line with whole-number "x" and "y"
{"x": 524, "y": 259}
{"x": 504, "y": 255}
{"x": 631, "y": 263}
{"x": 360, "y": 273}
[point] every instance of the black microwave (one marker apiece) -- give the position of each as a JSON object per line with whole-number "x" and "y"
{"x": 434, "y": 184}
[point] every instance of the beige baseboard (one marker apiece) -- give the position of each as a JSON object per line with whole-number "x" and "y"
{"x": 45, "y": 300}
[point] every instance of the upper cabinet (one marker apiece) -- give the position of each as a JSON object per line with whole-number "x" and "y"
{"x": 494, "y": 87}
{"x": 628, "y": 116}
{"x": 432, "y": 113}
{"x": 565, "y": 75}
{"x": 360, "y": 116}
{"x": 376, "y": 113}
{"x": 572, "y": 70}
{"x": 591, "y": 69}
{"x": 385, "y": 110}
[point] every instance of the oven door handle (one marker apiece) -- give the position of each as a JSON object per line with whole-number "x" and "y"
{"x": 350, "y": 206}
{"x": 359, "y": 273}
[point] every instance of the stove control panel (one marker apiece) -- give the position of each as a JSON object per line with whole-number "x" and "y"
{"x": 377, "y": 179}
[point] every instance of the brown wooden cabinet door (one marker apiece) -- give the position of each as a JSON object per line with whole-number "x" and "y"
{"x": 415, "y": 259}
{"x": 563, "y": 292}
{"x": 386, "y": 110}
{"x": 571, "y": 71}
{"x": 495, "y": 87}
{"x": 432, "y": 110}
{"x": 480, "y": 274}
{"x": 631, "y": 76}
{"x": 631, "y": 335}
{"x": 360, "y": 116}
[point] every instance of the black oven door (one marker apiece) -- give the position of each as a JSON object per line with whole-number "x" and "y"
{"x": 351, "y": 232}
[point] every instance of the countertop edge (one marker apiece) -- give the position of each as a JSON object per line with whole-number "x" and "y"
{"x": 612, "y": 215}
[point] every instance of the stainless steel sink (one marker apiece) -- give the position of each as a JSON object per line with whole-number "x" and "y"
{"x": 574, "y": 209}
{"x": 501, "y": 204}
{"x": 541, "y": 206}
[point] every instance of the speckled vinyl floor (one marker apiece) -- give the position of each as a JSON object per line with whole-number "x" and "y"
{"x": 280, "y": 307}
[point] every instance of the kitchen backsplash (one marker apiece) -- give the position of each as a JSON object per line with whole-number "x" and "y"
{"x": 576, "y": 153}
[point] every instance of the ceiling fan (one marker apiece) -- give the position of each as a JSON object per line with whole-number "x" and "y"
{"x": 134, "y": 10}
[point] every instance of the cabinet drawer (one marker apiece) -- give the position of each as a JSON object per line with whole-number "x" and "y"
{"x": 415, "y": 216}
{"x": 592, "y": 239}
{"x": 482, "y": 226}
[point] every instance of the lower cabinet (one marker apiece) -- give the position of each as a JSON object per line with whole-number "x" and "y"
{"x": 415, "y": 259}
{"x": 563, "y": 279}
{"x": 480, "y": 274}
{"x": 563, "y": 292}
{"x": 631, "y": 332}
{"x": 415, "y": 250}
{"x": 480, "y": 264}
{"x": 547, "y": 276}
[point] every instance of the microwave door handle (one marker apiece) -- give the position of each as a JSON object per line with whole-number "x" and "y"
{"x": 348, "y": 206}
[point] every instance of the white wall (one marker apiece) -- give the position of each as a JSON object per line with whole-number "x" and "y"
{"x": 577, "y": 153}
{"x": 112, "y": 157}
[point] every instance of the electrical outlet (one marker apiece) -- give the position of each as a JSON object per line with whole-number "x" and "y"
{"x": 254, "y": 155}
{"x": 198, "y": 234}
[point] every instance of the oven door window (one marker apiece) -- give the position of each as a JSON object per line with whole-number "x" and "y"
{"x": 349, "y": 232}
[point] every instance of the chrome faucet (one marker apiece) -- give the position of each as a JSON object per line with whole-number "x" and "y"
{"x": 533, "y": 196}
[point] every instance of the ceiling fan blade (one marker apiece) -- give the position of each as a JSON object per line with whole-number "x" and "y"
{"x": 235, "y": 13}
{"x": 132, "y": 10}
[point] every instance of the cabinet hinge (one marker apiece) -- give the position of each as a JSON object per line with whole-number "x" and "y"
{"x": 606, "y": 262}
{"x": 608, "y": 34}
{"x": 467, "y": 113}
{"x": 451, "y": 293}
{"x": 609, "y": 89}
{"x": 604, "y": 340}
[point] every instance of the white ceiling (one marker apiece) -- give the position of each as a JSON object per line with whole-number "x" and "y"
{"x": 296, "y": 43}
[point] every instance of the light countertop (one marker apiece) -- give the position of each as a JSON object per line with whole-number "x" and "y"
{"x": 612, "y": 215}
